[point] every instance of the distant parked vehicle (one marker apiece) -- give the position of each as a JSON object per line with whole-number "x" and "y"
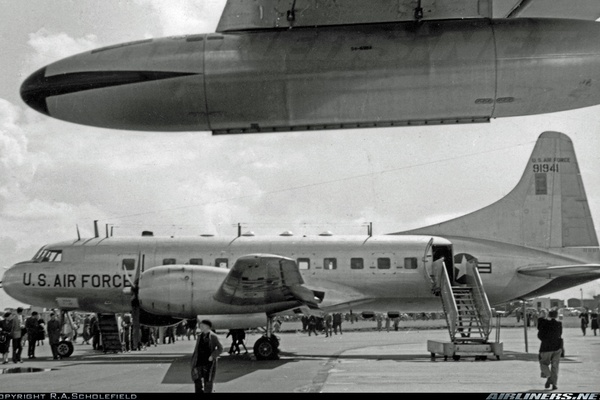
{"x": 570, "y": 311}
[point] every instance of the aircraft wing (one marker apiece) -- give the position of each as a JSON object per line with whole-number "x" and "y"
{"x": 277, "y": 14}
{"x": 266, "y": 279}
{"x": 583, "y": 270}
{"x": 576, "y": 9}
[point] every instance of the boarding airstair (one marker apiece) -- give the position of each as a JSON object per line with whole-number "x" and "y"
{"x": 468, "y": 316}
{"x": 109, "y": 333}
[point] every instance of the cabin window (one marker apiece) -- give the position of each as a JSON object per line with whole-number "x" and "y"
{"x": 303, "y": 263}
{"x": 329, "y": 263}
{"x": 196, "y": 261}
{"x": 357, "y": 263}
{"x": 169, "y": 261}
{"x": 410, "y": 263}
{"x": 49, "y": 256}
{"x": 128, "y": 264}
{"x": 221, "y": 263}
{"x": 383, "y": 263}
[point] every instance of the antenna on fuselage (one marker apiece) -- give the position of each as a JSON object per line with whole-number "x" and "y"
{"x": 239, "y": 230}
{"x": 78, "y": 235}
{"x": 96, "y": 228}
{"x": 370, "y": 229}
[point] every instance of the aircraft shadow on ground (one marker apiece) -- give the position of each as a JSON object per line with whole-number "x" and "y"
{"x": 234, "y": 367}
{"x": 228, "y": 368}
{"x": 118, "y": 358}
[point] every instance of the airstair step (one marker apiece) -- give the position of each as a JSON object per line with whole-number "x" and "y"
{"x": 109, "y": 333}
{"x": 469, "y": 339}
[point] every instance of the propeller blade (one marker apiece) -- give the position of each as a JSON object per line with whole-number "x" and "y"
{"x": 138, "y": 270}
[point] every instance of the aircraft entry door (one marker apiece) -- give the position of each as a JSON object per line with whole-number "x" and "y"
{"x": 445, "y": 251}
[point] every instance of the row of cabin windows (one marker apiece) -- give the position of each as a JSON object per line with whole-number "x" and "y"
{"x": 303, "y": 263}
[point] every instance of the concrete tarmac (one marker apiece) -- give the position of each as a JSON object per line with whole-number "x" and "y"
{"x": 359, "y": 360}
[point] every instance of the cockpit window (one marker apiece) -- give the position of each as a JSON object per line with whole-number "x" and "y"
{"x": 46, "y": 255}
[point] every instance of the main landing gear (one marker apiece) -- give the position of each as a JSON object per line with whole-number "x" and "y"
{"x": 67, "y": 332}
{"x": 267, "y": 346}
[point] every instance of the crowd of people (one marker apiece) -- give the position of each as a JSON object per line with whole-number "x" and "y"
{"x": 16, "y": 330}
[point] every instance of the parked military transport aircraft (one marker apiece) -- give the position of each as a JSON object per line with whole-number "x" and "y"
{"x": 286, "y": 65}
{"x": 538, "y": 239}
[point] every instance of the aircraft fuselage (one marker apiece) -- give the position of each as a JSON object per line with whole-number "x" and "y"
{"x": 377, "y": 273}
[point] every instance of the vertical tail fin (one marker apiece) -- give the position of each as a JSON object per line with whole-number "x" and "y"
{"x": 548, "y": 208}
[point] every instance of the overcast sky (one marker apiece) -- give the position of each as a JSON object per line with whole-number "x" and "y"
{"x": 55, "y": 176}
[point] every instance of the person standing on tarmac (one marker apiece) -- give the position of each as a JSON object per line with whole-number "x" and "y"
{"x": 5, "y": 336}
{"x": 54, "y": 335}
{"x": 585, "y": 320}
{"x": 18, "y": 328}
{"x": 32, "y": 327}
{"x": 204, "y": 360}
{"x": 550, "y": 334}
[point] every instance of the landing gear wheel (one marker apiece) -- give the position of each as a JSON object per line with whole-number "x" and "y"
{"x": 266, "y": 348}
{"x": 64, "y": 349}
{"x": 456, "y": 357}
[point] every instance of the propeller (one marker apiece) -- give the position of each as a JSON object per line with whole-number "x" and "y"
{"x": 135, "y": 303}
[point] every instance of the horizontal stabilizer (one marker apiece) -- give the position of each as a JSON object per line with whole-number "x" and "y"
{"x": 562, "y": 271}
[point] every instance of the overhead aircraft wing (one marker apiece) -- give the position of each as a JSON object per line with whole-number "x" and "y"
{"x": 590, "y": 270}
{"x": 266, "y": 279}
{"x": 273, "y": 14}
{"x": 277, "y": 14}
{"x": 576, "y": 9}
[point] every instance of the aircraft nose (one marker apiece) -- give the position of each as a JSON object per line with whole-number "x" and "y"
{"x": 35, "y": 89}
{"x": 10, "y": 282}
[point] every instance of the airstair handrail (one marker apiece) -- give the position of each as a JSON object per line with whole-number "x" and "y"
{"x": 480, "y": 299}
{"x": 450, "y": 308}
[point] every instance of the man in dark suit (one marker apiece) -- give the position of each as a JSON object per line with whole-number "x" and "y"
{"x": 32, "y": 327}
{"x": 204, "y": 360}
{"x": 550, "y": 334}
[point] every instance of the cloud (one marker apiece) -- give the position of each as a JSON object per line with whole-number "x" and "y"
{"x": 50, "y": 46}
{"x": 179, "y": 17}
{"x": 15, "y": 165}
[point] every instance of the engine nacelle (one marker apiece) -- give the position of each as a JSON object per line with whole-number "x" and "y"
{"x": 181, "y": 291}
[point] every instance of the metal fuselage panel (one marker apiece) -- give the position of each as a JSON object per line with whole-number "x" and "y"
{"x": 352, "y": 74}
